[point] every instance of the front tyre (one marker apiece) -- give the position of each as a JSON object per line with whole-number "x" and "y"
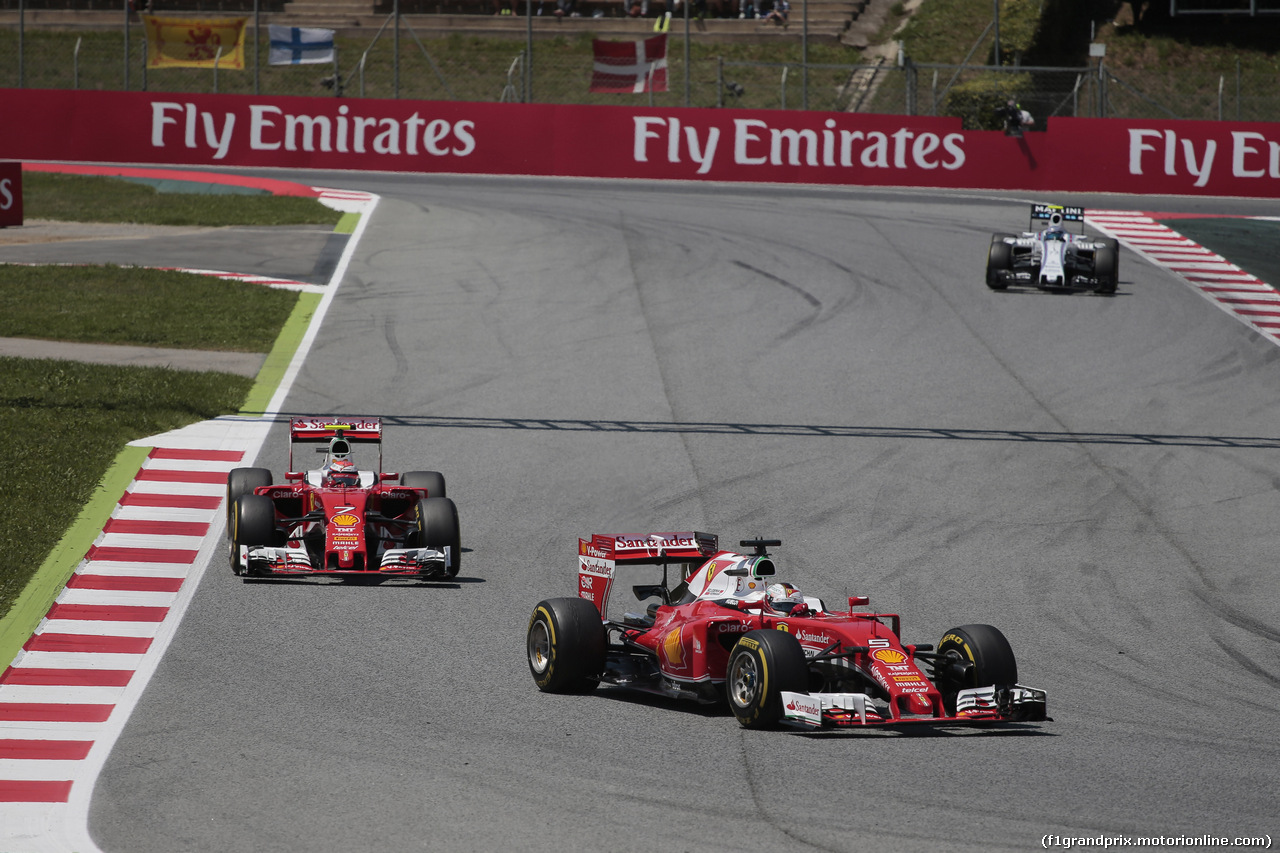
{"x": 973, "y": 656}
{"x": 438, "y": 529}
{"x": 566, "y": 645}
{"x": 1106, "y": 269}
{"x": 253, "y": 522}
{"x": 999, "y": 261}
{"x": 762, "y": 665}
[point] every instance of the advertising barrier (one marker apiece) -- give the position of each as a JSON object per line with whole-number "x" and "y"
{"x": 1071, "y": 155}
{"x": 10, "y": 194}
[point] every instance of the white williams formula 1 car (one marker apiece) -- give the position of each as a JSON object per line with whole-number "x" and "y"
{"x": 1053, "y": 258}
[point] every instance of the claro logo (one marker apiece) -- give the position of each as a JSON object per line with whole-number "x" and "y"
{"x": 269, "y": 128}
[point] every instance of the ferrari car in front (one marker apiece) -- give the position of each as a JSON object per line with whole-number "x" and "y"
{"x": 730, "y": 631}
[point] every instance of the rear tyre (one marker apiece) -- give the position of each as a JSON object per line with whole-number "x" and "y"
{"x": 432, "y": 481}
{"x": 973, "y": 656}
{"x": 438, "y": 528}
{"x": 999, "y": 260}
{"x": 253, "y": 522}
{"x": 566, "y": 645}
{"x": 242, "y": 481}
{"x": 762, "y": 665}
{"x": 1106, "y": 269}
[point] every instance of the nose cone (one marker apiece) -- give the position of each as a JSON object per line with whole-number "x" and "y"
{"x": 918, "y": 703}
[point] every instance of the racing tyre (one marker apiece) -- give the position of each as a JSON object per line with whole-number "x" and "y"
{"x": 438, "y": 528}
{"x": 999, "y": 260}
{"x": 432, "y": 481}
{"x": 566, "y": 645}
{"x": 1106, "y": 268}
{"x": 973, "y": 656}
{"x": 761, "y": 666}
{"x": 242, "y": 481}
{"x": 253, "y": 522}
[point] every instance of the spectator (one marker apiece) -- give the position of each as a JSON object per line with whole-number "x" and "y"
{"x": 778, "y": 14}
{"x": 1015, "y": 118}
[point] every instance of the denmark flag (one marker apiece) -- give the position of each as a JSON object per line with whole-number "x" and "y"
{"x": 630, "y": 66}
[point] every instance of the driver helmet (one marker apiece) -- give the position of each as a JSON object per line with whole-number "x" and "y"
{"x": 1055, "y": 232}
{"x": 341, "y": 473}
{"x": 784, "y": 598}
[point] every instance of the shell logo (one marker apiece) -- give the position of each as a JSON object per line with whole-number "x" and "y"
{"x": 783, "y": 627}
{"x": 346, "y": 520}
{"x": 675, "y": 655}
{"x": 889, "y": 656}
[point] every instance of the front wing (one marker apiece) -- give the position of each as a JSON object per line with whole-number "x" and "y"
{"x": 415, "y": 562}
{"x": 1015, "y": 703}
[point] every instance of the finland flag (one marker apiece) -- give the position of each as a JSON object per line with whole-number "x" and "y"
{"x": 300, "y": 45}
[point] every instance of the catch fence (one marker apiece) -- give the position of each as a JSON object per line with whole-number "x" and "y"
{"x": 399, "y": 62}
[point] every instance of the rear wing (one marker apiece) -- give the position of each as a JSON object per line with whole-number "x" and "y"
{"x": 599, "y": 557}
{"x": 1050, "y": 212}
{"x": 333, "y": 432}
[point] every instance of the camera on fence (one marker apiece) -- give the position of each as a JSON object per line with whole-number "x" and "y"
{"x": 735, "y": 89}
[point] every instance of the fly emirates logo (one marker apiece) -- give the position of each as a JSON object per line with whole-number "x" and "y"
{"x": 270, "y": 128}
{"x": 754, "y": 142}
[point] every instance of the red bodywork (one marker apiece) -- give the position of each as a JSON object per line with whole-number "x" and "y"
{"x": 720, "y": 598}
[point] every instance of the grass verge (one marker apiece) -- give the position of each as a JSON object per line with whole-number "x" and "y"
{"x": 87, "y": 198}
{"x": 65, "y": 424}
{"x": 144, "y": 307}
{"x": 69, "y": 422}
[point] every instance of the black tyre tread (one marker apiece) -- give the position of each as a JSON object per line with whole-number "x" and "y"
{"x": 989, "y": 651}
{"x": 1106, "y": 269}
{"x": 785, "y": 668}
{"x": 438, "y": 527}
{"x": 253, "y": 522}
{"x": 999, "y": 257}
{"x": 242, "y": 481}
{"x": 577, "y": 645}
{"x": 432, "y": 481}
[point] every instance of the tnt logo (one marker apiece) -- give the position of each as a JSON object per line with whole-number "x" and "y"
{"x": 10, "y": 194}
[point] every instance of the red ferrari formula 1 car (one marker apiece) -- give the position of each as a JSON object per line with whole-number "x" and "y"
{"x": 728, "y": 630}
{"x": 339, "y": 520}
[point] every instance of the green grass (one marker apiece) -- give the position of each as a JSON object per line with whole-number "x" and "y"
{"x": 86, "y": 198}
{"x": 65, "y": 422}
{"x": 122, "y": 305}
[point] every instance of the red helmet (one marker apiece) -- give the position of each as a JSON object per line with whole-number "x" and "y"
{"x": 341, "y": 473}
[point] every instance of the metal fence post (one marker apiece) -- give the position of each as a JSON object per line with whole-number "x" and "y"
{"x": 804, "y": 59}
{"x": 22, "y": 27}
{"x": 125, "y": 3}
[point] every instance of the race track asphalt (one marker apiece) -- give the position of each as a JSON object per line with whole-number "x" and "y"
{"x": 1096, "y": 476}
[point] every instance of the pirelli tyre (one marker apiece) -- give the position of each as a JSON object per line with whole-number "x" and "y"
{"x": 1106, "y": 269}
{"x": 432, "y": 481}
{"x": 762, "y": 665}
{"x": 242, "y": 481}
{"x": 999, "y": 261}
{"x": 438, "y": 528}
{"x": 973, "y": 656}
{"x": 253, "y": 522}
{"x": 566, "y": 645}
